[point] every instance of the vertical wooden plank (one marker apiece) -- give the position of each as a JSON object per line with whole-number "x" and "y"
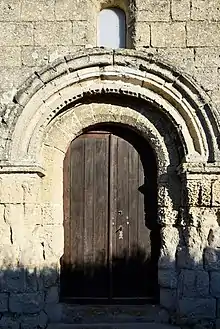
{"x": 77, "y": 172}
{"x": 101, "y": 176}
{"x": 77, "y": 200}
{"x": 66, "y": 206}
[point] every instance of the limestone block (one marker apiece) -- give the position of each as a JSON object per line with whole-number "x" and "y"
{"x": 202, "y": 34}
{"x": 207, "y": 77}
{"x": 54, "y": 312}
{"x": 216, "y": 190}
{"x": 201, "y": 216}
{"x": 180, "y": 10}
{"x": 32, "y": 10}
{"x": 52, "y": 213}
{"x": 14, "y": 214}
{"x": 205, "y": 10}
{"x": 215, "y": 284}
{"x": 35, "y": 321}
{"x": 10, "y": 189}
{"x": 32, "y": 214}
{"x": 50, "y": 277}
{"x": 190, "y": 257}
{"x": 196, "y": 308}
{"x": 153, "y": 11}
{"x": 53, "y": 243}
{"x": 72, "y": 10}
{"x": 53, "y": 33}
{"x": 18, "y": 34}
{"x": 8, "y": 322}
{"x": 10, "y": 255}
{"x": 32, "y": 280}
{"x": 52, "y": 295}
{"x": 142, "y": 34}
{"x": 199, "y": 192}
{"x": 193, "y": 283}
{"x": 34, "y": 56}
{"x": 14, "y": 217}
{"x": 10, "y": 10}
{"x": 168, "y": 35}
{"x": 212, "y": 259}
{"x": 167, "y": 215}
{"x": 10, "y": 56}
{"x": 169, "y": 242}
{"x": 180, "y": 57}
{"x": 12, "y": 280}
{"x": 26, "y": 303}
{"x": 214, "y": 237}
{"x": 80, "y": 33}
{"x": 167, "y": 278}
{"x": 207, "y": 57}
{"x": 218, "y": 307}
{"x": 4, "y": 302}
{"x": 168, "y": 298}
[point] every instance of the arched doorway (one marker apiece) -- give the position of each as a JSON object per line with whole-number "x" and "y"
{"x": 110, "y": 207}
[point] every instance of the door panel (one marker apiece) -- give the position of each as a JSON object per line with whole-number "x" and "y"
{"x": 107, "y": 243}
{"x": 132, "y": 246}
{"x": 87, "y": 263}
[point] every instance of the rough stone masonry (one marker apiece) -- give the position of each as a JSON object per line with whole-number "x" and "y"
{"x": 49, "y": 63}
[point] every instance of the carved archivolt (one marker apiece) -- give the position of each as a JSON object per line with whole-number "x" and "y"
{"x": 74, "y": 80}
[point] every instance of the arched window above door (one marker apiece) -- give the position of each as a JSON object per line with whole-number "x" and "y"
{"x": 111, "y": 29}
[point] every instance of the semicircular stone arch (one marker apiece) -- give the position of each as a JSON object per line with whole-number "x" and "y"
{"x": 69, "y": 81}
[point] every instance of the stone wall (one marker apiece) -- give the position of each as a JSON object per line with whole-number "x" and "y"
{"x": 185, "y": 32}
{"x": 39, "y": 120}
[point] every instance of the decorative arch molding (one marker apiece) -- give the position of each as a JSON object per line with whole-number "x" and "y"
{"x": 74, "y": 79}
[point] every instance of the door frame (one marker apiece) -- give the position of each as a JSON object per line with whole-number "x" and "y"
{"x": 142, "y": 147}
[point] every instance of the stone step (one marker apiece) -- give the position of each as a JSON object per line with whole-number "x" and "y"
{"x": 75, "y": 314}
{"x": 134, "y": 325}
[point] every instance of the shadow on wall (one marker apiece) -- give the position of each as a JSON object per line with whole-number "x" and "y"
{"x": 31, "y": 298}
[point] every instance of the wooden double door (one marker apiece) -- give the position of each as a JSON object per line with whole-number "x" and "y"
{"x": 107, "y": 254}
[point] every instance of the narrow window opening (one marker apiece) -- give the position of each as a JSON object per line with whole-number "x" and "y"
{"x": 111, "y": 28}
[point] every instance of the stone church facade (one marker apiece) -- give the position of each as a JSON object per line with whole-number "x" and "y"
{"x": 55, "y": 83}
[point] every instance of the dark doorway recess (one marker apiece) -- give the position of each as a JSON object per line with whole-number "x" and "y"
{"x": 112, "y": 240}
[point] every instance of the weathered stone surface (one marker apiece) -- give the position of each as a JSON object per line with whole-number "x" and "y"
{"x": 168, "y": 298}
{"x": 4, "y": 302}
{"x": 168, "y": 35}
{"x": 10, "y": 56}
{"x": 142, "y": 39}
{"x": 205, "y": 10}
{"x": 214, "y": 284}
{"x": 53, "y": 33}
{"x": 169, "y": 245}
{"x": 8, "y": 322}
{"x": 26, "y": 302}
{"x": 153, "y": 11}
{"x": 35, "y": 321}
{"x": 54, "y": 312}
{"x": 167, "y": 278}
{"x": 193, "y": 283}
{"x": 18, "y": 34}
{"x": 72, "y": 10}
{"x": 12, "y": 280}
{"x": 212, "y": 259}
{"x": 52, "y": 295}
{"x": 202, "y": 34}
{"x": 37, "y": 11}
{"x": 196, "y": 308}
{"x": 180, "y": 10}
